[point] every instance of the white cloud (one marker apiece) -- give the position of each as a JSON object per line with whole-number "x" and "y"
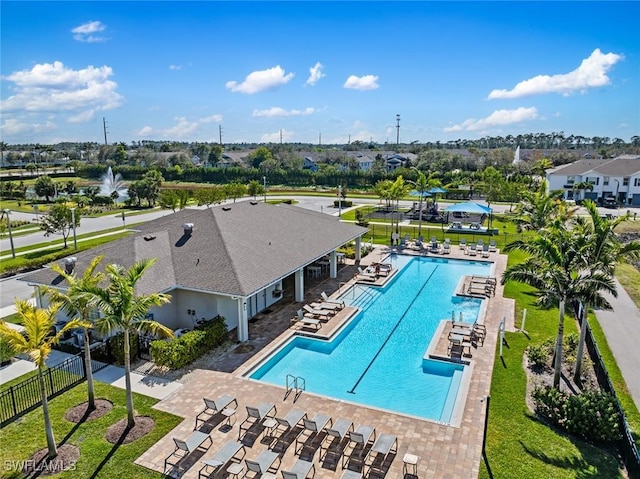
{"x": 315, "y": 73}
{"x": 85, "y": 32}
{"x": 367, "y": 82}
{"x": 13, "y": 126}
{"x": 286, "y": 135}
{"x": 183, "y": 128}
{"x": 276, "y": 112}
{"x": 498, "y": 117}
{"x": 175, "y": 67}
{"x": 591, "y": 73}
{"x": 52, "y": 87}
{"x": 261, "y": 80}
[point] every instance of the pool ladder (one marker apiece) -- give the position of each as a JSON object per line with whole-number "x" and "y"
{"x": 295, "y": 383}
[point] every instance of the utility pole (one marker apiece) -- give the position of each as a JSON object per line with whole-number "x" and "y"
{"x": 319, "y": 139}
{"x": 281, "y": 136}
{"x": 220, "y": 133}
{"x": 104, "y": 128}
{"x": 397, "y": 130}
{"x": 349, "y": 140}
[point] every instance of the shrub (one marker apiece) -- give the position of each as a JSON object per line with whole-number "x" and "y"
{"x": 591, "y": 415}
{"x": 116, "y": 347}
{"x": 538, "y": 355}
{"x": 6, "y": 351}
{"x": 190, "y": 346}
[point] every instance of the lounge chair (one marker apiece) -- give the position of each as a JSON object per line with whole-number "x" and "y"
{"x": 214, "y": 406}
{"x": 256, "y": 415}
{"x": 361, "y": 437}
{"x": 446, "y": 248}
{"x": 263, "y": 463}
{"x": 485, "y": 251}
{"x": 383, "y": 446}
{"x": 305, "y": 321}
{"x": 184, "y": 447}
{"x": 291, "y": 420}
{"x": 327, "y": 299}
{"x": 472, "y": 250}
{"x": 363, "y": 275}
{"x": 312, "y": 427}
{"x": 434, "y": 247}
{"x": 221, "y": 458}
{"x": 463, "y": 244}
{"x": 318, "y": 313}
{"x": 300, "y": 470}
{"x": 327, "y": 306}
{"x": 492, "y": 245}
{"x": 338, "y": 430}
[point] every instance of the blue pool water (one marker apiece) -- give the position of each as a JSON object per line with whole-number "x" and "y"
{"x": 377, "y": 359}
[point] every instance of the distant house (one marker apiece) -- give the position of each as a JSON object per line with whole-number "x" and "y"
{"x": 397, "y": 160}
{"x": 614, "y": 177}
{"x": 309, "y": 163}
{"x": 365, "y": 162}
{"x": 230, "y": 260}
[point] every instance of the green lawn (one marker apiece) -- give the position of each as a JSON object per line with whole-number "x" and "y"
{"x": 518, "y": 445}
{"x": 98, "y": 458}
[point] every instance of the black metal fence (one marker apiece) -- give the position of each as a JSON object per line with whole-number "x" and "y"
{"x": 25, "y": 396}
{"x": 628, "y": 447}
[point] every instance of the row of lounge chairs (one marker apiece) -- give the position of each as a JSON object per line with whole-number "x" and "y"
{"x": 373, "y": 272}
{"x": 315, "y": 313}
{"x": 335, "y": 440}
{"x": 464, "y": 335}
{"x": 481, "y": 286}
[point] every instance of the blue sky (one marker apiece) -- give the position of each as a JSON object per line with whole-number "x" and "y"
{"x": 305, "y": 70}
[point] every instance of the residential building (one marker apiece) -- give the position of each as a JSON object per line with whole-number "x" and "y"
{"x": 597, "y": 179}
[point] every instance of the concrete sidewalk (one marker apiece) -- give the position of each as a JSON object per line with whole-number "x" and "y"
{"x": 147, "y": 385}
{"x": 621, "y": 327}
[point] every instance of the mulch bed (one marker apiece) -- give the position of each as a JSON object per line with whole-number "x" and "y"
{"x": 39, "y": 466}
{"x": 80, "y": 413}
{"x": 119, "y": 434}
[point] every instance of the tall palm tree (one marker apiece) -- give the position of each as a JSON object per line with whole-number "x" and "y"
{"x": 123, "y": 310}
{"x": 603, "y": 251}
{"x": 551, "y": 268}
{"x": 75, "y": 303}
{"x": 36, "y": 341}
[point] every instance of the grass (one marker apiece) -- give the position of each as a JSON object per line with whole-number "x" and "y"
{"x": 518, "y": 445}
{"x": 14, "y": 318}
{"x": 98, "y": 458}
{"x": 629, "y": 278}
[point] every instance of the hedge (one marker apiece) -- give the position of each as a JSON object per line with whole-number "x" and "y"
{"x": 187, "y": 348}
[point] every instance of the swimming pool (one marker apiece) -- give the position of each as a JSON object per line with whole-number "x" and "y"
{"x": 377, "y": 358}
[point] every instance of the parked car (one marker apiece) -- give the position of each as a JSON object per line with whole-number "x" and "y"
{"x": 610, "y": 202}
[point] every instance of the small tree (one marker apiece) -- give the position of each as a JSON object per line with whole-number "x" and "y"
{"x": 235, "y": 190}
{"x": 59, "y": 221}
{"x": 44, "y": 186}
{"x": 36, "y": 341}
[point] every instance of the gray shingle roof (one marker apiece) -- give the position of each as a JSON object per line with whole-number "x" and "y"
{"x": 624, "y": 165}
{"x": 236, "y": 249}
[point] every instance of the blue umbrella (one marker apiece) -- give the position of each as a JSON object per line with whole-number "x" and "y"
{"x": 469, "y": 208}
{"x": 417, "y": 193}
{"x": 437, "y": 189}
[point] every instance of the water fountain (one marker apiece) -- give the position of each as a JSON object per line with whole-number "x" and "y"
{"x": 111, "y": 183}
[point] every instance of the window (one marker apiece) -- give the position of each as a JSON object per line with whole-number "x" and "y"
{"x": 636, "y": 182}
{"x": 594, "y": 181}
{"x": 605, "y": 181}
{"x": 625, "y": 181}
{"x": 571, "y": 180}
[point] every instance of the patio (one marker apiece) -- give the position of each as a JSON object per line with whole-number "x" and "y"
{"x": 443, "y": 451}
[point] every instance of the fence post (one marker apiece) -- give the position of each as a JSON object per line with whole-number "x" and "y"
{"x": 13, "y": 400}
{"x": 50, "y": 380}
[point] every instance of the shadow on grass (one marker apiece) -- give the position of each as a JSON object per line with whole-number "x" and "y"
{"x": 111, "y": 452}
{"x": 594, "y": 462}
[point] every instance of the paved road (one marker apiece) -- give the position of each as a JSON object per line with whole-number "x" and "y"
{"x": 621, "y": 328}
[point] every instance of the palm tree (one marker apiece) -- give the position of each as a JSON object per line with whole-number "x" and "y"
{"x": 36, "y": 341}
{"x": 398, "y": 190}
{"x": 538, "y": 207}
{"x": 551, "y": 261}
{"x": 75, "y": 303}
{"x": 603, "y": 250}
{"x": 123, "y": 310}
{"x": 421, "y": 185}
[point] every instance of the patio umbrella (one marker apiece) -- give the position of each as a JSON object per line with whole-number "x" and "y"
{"x": 436, "y": 189}
{"x": 469, "y": 208}
{"x": 417, "y": 193}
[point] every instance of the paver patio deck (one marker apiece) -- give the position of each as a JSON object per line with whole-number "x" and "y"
{"x": 444, "y": 451}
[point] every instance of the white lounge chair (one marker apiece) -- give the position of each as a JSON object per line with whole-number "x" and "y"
{"x": 363, "y": 275}
{"x": 327, "y": 299}
{"x": 485, "y": 251}
{"x": 492, "y": 245}
{"x": 291, "y": 420}
{"x": 361, "y": 437}
{"x": 446, "y": 248}
{"x": 257, "y": 414}
{"x": 383, "y": 445}
{"x": 305, "y": 321}
{"x": 318, "y": 313}
{"x": 327, "y": 306}
{"x": 463, "y": 244}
